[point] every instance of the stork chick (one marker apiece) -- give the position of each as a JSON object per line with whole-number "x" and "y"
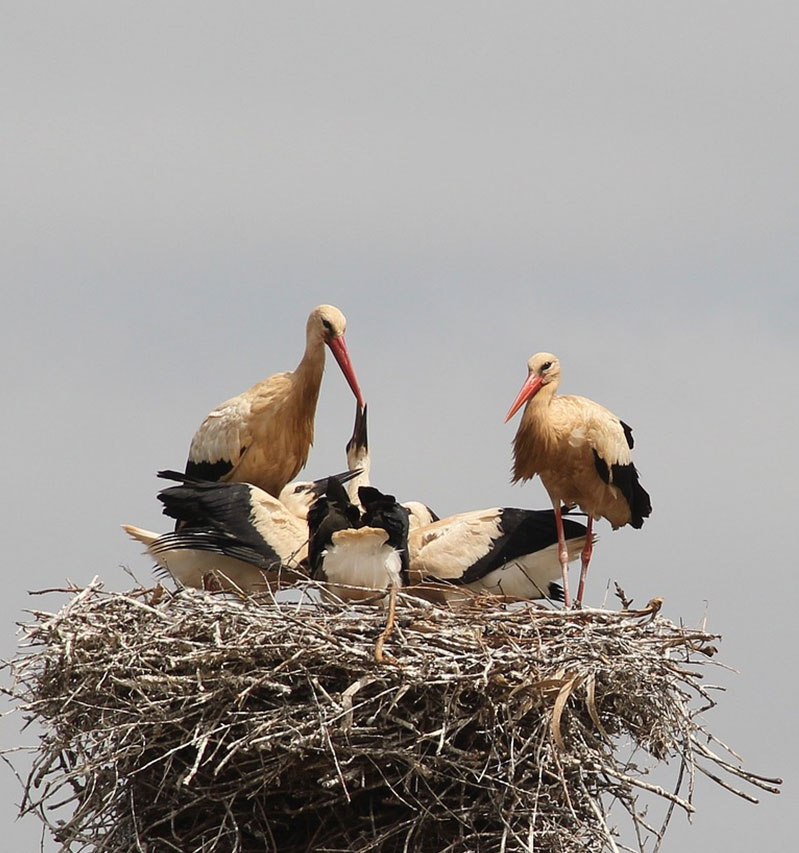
{"x": 358, "y": 458}
{"x": 358, "y": 554}
{"x": 299, "y": 495}
{"x": 501, "y": 550}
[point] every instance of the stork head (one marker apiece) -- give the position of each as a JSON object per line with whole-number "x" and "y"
{"x": 328, "y": 324}
{"x": 542, "y": 369}
{"x": 298, "y": 496}
{"x": 358, "y": 445}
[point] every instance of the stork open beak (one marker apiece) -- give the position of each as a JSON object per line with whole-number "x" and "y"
{"x": 318, "y": 487}
{"x": 359, "y": 439}
{"x": 531, "y": 386}
{"x": 338, "y": 347}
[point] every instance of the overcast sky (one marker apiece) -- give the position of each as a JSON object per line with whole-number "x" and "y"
{"x": 470, "y": 183}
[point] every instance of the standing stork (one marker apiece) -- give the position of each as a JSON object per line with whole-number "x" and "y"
{"x": 263, "y": 435}
{"x": 582, "y": 453}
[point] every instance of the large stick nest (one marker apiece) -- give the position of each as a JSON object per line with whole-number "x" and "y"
{"x": 197, "y": 722}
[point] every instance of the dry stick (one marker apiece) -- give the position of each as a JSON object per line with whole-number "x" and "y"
{"x": 670, "y": 810}
{"x": 252, "y": 705}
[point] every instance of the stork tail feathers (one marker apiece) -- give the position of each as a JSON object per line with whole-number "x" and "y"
{"x": 146, "y": 537}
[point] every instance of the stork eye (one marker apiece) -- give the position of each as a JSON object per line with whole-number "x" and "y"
{"x": 297, "y": 489}
{"x": 546, "y": 365}
{"x": 328, "y": 325}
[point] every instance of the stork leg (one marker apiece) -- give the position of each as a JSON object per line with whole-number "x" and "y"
{"x": 392, "y": 607}
{"x": 585, "y": 558}
{"x": 563, "y": 554}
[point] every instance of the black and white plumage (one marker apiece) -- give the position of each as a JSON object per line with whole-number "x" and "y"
{"x": 358, "y": 459}
{"x": 358, "y": 553}
{"x": 299, "y": 495}
{"x": 501, "y": 550}
{"x": 231, "y": 536}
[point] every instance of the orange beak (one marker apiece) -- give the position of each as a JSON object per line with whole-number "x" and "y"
{"x": 531, "y": 386}
{"x": 338, "y": 347}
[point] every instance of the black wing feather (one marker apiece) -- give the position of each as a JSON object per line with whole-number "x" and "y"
{"x": 628, "y": 434}
{"x": 224, "y": 509}
{"x": 329, "y": 513}
{"x": 217, "y": 542}
{"x": 212, "y": 471}
{"x": 383, "y": 511}
{"x": 523, "y": 531}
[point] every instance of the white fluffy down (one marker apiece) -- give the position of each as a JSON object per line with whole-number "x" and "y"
{"x": 362, "y": 559}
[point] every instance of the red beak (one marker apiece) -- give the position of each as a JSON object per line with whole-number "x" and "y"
{"x": 338, "y": 347}
{"x": 532, "y": 384}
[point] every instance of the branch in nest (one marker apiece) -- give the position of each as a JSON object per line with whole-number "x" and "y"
{"x": 198, "y": 722}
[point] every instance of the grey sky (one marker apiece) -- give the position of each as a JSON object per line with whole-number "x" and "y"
{"x": 617, "y": 183}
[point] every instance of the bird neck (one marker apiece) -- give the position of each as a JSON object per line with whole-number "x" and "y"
{"x": 537, "y": 406}
{"x": 308, "y": 374}
{"x": 359, "y": 459}
{"x": 536, "y": 432}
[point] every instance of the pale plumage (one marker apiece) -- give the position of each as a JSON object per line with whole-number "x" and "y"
{"x": 231, "y": 536}
{"x": 299, "y": 495}
{"x": 263, "y": 435}
{"x": 581, "y": 451}
{"x": 500, "y": 550}
{"x": 360, "y": 561}
{"x": 356, "y": 552}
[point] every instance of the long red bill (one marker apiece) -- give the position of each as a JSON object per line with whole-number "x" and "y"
{"x": 338, "y": 347}
{"x": 530, "y": 387}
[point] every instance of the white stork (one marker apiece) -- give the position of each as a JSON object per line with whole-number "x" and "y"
{"x": 582, "y": 452}
{"x": 298, "y": 495}
{"x": 358, "y": 459}
{"x": 501, "y": 550}
{"x": 358, "y": 553}
{"x": 263, "y": 435}
{"x": 232, "y": 536}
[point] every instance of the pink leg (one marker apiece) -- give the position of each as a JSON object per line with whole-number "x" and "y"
{"x": 586, "y": 556}
{"x": 563, "y": 553}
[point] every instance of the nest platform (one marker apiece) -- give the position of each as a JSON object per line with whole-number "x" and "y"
{"x": 195, "y": 721}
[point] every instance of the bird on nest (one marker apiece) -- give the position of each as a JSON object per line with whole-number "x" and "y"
{"x": 358, "y": 553}
{"x": 583, "y": 454}
{"x": 232, "y": 536}
{"x": 263, "y": 435}
{"x": 499, "y": 550}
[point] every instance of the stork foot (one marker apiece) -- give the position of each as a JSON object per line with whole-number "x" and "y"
{"x": 380, "y": 656}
